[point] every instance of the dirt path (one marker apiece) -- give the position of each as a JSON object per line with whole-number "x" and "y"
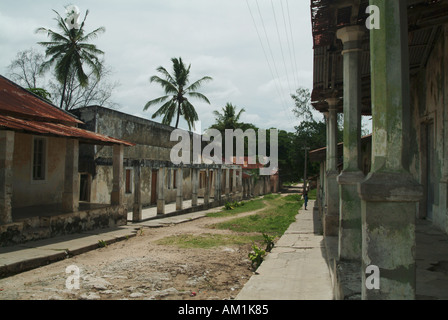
{"x": 139, "y": 268}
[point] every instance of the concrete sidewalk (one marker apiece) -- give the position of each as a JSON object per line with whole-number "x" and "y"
{"x": 296, "y": 268}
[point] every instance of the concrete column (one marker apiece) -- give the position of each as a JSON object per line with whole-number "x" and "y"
{"x": 350, "y": 202}
{"x": 227, "y": 188}
{"x": 117, "y": 195}
{"x": 240, "y": 184}
{"x": 331, "y": 219}
{"x": 70, "y": 196}
{"x": 161, "y": 191}
{"x": 389, "y": 194}
{"x": 179, "y": 196}
{"x": 234, "y": 190}
{"x": 6, "y": 175}
{"x": 207, "y": 188}
{"x": 137, "y": 208}
{"x": 194, "y": 186}
{"x": 218, "y": 185}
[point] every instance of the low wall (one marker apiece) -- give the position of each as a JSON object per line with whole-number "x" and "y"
{"x": 43, "y": 227}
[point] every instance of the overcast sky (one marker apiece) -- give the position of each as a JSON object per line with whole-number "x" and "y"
{"x": 255, "y": 66}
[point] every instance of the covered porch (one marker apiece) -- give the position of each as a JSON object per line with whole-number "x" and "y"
{"x": 386, "y": 72}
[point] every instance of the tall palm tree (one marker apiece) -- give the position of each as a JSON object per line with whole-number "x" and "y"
{"x": 177, "y": 89}
{"x": 228, "y": 119}
{"x": 70, "y": 50}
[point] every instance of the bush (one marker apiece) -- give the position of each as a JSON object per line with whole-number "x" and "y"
{"x": 256, "y": 256}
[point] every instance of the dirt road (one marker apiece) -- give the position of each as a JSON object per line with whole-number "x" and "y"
{"x": 139, "y": 268}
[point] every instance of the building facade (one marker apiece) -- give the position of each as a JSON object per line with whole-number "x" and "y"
{"x": 388, "y": 60}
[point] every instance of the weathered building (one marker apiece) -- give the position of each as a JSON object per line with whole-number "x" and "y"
{"x": 389, "y": 61}
{"x": 150, "y": 178}
{"x": 39, "y": 180}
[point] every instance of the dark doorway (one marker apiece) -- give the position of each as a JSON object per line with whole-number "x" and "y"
{"x": 154, "y": 187}
{"x": 84, "y": 187}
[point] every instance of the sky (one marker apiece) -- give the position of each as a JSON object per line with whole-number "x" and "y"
{"x": 258, "y": 52}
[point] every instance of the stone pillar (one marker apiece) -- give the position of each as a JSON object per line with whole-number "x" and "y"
{"x": 218, "y": 184}
{"x": 240, "y": 184}
{"x": 331, "y": 220}
{"x": 161, "y": 191}
{"x": 207, "y": 188}
{"x": 6, "y": 175}
{"x": 227, "y": 189}
{"x": 194, "y": 186}
{"x": 70, "y": 196}
{"x": 234, "y": 191}
{"x": 389, "y": 194}
{"x": 179, "y": 196}
{"x": 350, "y": 202}
{"x": 137, "y": 208}
{"x": 117, "y": 195}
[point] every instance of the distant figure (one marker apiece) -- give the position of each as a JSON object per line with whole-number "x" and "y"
{"x": 305, "y": 196}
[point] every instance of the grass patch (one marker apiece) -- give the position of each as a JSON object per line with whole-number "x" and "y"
{"x": 207, "y": 240}
{"x": 251, "y": 205}
{"x": 312, "y": 194}
{"x": 274, "y": 220}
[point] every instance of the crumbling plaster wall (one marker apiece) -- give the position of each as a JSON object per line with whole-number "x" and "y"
{"x": 429, "y": 92}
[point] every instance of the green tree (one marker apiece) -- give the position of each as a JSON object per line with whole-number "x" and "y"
{"x": 302, "y": 104}
{"x": 177, "y": 89}
{"x": 228, "y": 119}
{"x": 70, "y": 49}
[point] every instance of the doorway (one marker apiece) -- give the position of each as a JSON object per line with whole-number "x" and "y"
{"x": 85, "y": 182}
{"x": 154, "y": 174}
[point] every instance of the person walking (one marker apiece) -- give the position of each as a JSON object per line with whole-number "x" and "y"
{"x": 305, "y": 196}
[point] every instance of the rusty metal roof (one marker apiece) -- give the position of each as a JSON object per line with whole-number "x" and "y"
{"x": 22, "y": 111}
{"x": 17, "y": 101}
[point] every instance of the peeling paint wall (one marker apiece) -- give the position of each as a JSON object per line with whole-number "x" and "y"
{"x": 28, "y": 192}
{"x": 152, "y": 143}
{"x": 429, "y": 90}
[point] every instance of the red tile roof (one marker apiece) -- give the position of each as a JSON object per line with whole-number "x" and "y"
{"x": 21, "y": 110}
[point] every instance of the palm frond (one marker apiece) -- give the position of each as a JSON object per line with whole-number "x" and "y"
{"x": 169, "y": 87}
{"x": 155, "y": 101}
{"x": 199, "y": 96}
{"x": 194, "y": 86}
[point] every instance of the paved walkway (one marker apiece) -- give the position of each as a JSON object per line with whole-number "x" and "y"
{"x": 296, "y": 268}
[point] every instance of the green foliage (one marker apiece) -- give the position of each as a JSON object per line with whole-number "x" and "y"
{"x": 233, "y": 205}
{"x": 273, "y": 220}
{"x": 102, "y": 243}
{"x": 256, "y": 256}
{"x": 243, "y": 207}
{"x": 207, "y": 240}
{"x": 178, "y": 90}
{"x": 70, "y": 50}
{"x": 269, "y": 241}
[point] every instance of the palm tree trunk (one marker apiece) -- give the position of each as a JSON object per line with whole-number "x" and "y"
{"x": 178, "y": 114}
{"x": 63, "y": 90}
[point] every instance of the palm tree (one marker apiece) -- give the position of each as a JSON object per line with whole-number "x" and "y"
{"x": 177, "y": 89}
{"x": 70, "y": 49}
{"x": 228, "y": 119}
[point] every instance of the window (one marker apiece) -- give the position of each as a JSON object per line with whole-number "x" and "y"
{"x": 39, "y": 158}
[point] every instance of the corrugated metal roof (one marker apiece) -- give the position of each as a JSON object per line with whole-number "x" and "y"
{"x": 22, "y": 111}
{"x": 58, "y": 130}
{"x": 15, "y": 100}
